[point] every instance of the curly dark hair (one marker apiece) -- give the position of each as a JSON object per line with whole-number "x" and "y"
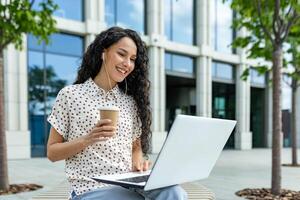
{"x": 138, "y": 83}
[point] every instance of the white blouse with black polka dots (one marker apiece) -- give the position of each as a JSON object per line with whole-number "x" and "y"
{"x": 75, "y": 113}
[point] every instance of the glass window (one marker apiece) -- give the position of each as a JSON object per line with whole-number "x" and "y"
{"x": 126, "y": 13}
{"x": 69, "y": 9}
{"x": 36, "y": 59}
{"x": 223, "y": 105}
{"x": 55, "y": 63}
{"x": 179, "y": 63}
{"x": 222, "y": 33}
{"x": 33, "y": 43}
{"x": 257, "y": 78}
{"x": 168, "y": 60}
{"x": 222, "y": 70}
{"x": 65, "y": 67}
{"x": 179, "y": 20}
{"x": 50, "y": 68}
{"x": 65, "y": 44}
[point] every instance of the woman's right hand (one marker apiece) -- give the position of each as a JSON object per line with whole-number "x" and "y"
{"x": 102, "y": 131}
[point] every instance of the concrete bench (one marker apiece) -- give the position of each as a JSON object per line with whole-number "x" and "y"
{"x": 194, "y": 190}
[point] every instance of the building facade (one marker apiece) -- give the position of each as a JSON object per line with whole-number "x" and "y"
{"x": 193, "y": 69}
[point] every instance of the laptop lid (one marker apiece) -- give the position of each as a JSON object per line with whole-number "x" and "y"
{"x": 190, "y": 151}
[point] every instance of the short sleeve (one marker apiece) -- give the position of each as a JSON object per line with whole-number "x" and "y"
{"x": 59, "y": 116}
{"x": 137, "y": 125}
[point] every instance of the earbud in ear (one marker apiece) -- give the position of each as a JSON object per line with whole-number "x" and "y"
{"x": 103, "y": 56}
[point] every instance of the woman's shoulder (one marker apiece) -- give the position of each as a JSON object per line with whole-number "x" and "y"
{"x": 71, "y": 90}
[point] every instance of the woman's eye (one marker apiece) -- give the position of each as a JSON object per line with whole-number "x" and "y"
{"x": 121, "y": 54}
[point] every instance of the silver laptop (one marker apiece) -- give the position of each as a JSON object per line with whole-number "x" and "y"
{"x": 189, "y": 153}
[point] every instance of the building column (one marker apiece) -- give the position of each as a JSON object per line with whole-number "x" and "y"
{"x": 16, "y": 102}
{"x": 203, "y": 86}
{"x": 203, "y": 62}
{"x": 269, "y": 114}
{"x": 156, "y": 73}
{"x": 243, "y": 136}
{"x": 298, "y": 115}
{"x": 94, "y": 18}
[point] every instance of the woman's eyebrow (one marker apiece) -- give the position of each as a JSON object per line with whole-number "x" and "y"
{"x": 124, "y": 50}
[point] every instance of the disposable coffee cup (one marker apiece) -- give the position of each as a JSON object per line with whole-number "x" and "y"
{"x": 110, "y": 112}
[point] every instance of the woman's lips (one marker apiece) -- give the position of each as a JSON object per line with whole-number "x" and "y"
{"x": 121, "y": 70}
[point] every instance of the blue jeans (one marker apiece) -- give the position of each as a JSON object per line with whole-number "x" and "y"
{"x": 117, "y": 192}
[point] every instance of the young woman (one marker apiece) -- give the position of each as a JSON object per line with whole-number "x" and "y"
{"x": 114, "y": 72}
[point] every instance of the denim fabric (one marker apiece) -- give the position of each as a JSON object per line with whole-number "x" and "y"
{"x": 116, "y": 193}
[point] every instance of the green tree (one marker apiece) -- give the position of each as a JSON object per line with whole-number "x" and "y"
{"x": 268, "y": 24}
{"x": 17, "y": 17}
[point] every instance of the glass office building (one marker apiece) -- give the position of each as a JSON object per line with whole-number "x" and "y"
{"x": 193, "y": 69}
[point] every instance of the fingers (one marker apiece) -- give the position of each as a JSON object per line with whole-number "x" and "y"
{"x": 138, "y": 167}
{"x": 146, "y": 165}
{"x": 102, "y": 122}
{"x": 103, "y": 129}
{"x": 142, "y": 166}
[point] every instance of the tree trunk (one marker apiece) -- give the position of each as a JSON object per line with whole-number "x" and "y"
{"x": 293, "y": 124}
{"x": 277, "y": 130}
{"x": 3, "y": 150}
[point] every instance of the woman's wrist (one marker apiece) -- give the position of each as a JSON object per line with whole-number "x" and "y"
{"x": 83, "y": 142}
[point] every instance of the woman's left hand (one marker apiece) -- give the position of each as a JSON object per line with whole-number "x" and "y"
{"x": 141, "y": 164}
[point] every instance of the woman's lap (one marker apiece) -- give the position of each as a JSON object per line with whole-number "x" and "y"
{"x": 117, "y": 192}
{"x": 109, "y": 193}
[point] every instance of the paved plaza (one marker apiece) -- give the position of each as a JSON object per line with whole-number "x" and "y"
{"x": 234, "y": 170}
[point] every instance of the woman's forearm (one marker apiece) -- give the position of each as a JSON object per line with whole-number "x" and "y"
{"x": 64, "y": 150}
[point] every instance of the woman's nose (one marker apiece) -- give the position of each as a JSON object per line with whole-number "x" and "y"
{"x": 127, "y": 62}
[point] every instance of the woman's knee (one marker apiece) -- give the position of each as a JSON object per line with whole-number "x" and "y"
{"x": 177, "y": 193}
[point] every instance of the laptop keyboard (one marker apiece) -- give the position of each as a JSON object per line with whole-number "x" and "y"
{"x": 137, "y": 179}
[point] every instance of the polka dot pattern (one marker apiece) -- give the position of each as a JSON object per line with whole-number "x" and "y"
{"x": 75, "y": 113}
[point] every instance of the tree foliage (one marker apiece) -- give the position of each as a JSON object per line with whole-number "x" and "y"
{"x": 17, "y": 18}
{"x": 262, "y": 26}
{"x": 268, "y": 25}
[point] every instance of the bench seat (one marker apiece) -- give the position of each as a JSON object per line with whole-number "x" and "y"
{"x": 195, "y": 192}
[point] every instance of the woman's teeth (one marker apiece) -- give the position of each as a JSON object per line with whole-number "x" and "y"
{"x": 121, "y": 70}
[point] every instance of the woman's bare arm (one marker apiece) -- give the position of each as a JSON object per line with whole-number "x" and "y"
{"x": 57, "y": 149}
{"x": 138, "y": 161}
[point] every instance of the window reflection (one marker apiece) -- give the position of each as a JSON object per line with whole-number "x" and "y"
{"x": 179, "y": 63}
{"x": 168, "y": 61}
{"x": 179, "y": 20}
{"x": 65, "y": 44}
{"x": 222, "y": 70}
{"x": 222, "y": 33}
{"x": 65, "y": 66}
{"x": 126, "y": 13}
{"x": 50, "y": 68}
{"x": 257, "y": 78}
{"x": 69, "y": 9}
{"x": 223, "y": 105}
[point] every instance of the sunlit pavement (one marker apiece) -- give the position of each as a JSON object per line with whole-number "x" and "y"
{"x": 235, "y": 170}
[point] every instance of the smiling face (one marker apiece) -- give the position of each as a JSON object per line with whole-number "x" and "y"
{"x": 119, "y": 60}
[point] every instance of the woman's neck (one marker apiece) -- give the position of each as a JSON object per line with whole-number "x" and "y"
{"x": 102, "y": 80}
